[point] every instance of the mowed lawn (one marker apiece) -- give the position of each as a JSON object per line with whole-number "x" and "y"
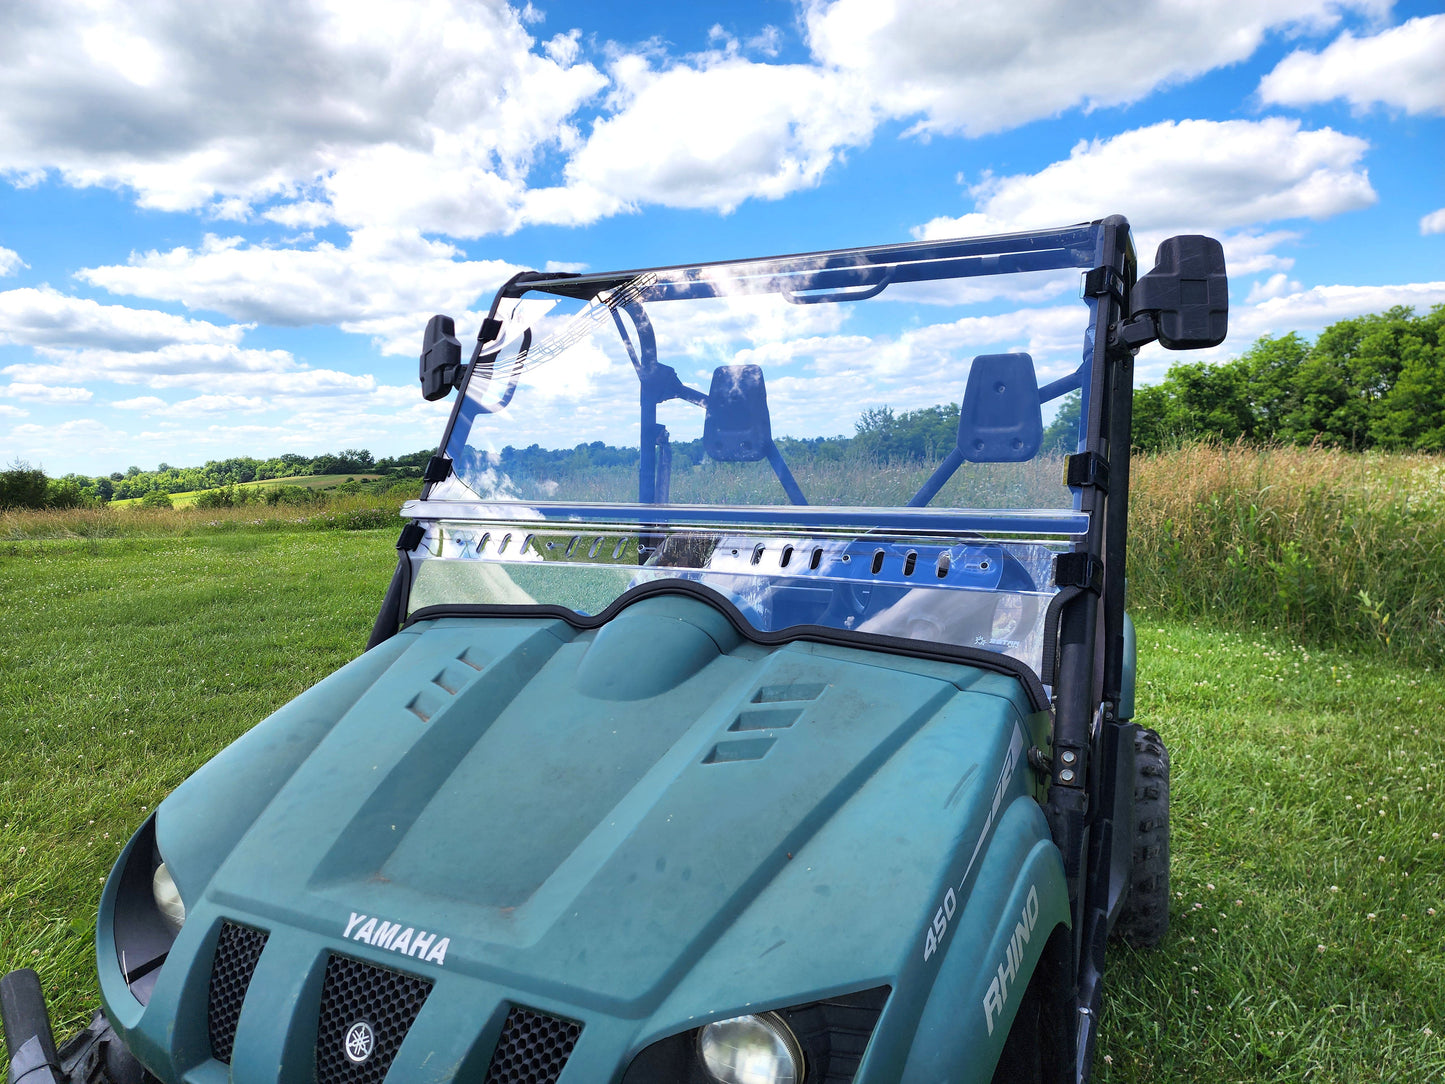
{"x": 1308, "y": 939}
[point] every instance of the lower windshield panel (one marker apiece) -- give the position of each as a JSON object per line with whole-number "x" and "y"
{"x": 983, "y": 594}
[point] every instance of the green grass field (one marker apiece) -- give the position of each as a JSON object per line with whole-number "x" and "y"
{"x": 1309, "y": 867}
{"x": 305, "y": 481}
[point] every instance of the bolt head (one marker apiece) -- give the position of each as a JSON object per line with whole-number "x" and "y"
{"x": 1066, "y": 776}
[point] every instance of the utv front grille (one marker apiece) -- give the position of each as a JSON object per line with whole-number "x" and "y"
{"x": 237, "y": 950}
{"x": 355, "y": 993}
{"x": 533, "y": 1048}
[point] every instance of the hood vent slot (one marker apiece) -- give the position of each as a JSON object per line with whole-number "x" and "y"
{"x": 767, "y": 719}
{"x": 451, "y": 680}
{"x": 780, "y": 694}
{"x": 727, "y": 752}
{"x": 355, "y": 992}
{"x": 237, "y": 951}
{"x": 533, "y": 1048}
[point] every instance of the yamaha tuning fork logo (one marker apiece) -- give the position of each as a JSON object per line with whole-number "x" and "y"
{"x": 360, "y": 1042}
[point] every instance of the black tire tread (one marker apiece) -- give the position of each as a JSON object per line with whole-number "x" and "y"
{"x": 1145, "y": 918}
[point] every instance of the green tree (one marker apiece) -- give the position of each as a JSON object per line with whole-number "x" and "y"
{"x": 1411, "y": 414}
{"x": 23, "y": 486}
{"x": 1271, "y": 371}
{"x": 1193, "y": 400}
{"x": 64, "y": 493}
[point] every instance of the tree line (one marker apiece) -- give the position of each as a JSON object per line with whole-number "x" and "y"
{"x": 26, "y": 486}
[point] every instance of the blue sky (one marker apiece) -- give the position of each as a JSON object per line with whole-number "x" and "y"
{"x": 224, "y": 237}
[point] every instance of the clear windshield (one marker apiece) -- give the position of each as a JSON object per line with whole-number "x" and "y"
{"x": 871, "y": 440}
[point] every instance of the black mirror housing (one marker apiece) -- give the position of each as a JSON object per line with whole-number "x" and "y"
{"x": 1187, "y": 293}
{"x": 441, "y": 359}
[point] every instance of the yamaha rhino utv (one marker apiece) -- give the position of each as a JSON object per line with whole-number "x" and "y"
{"x": 695, "y": 743}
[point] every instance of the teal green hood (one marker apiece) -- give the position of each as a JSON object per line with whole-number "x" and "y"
{"x": 655, "y": 819}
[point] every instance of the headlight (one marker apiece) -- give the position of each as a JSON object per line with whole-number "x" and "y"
{"x": 168, "y": 898}
{"x": 751, "y": 1050}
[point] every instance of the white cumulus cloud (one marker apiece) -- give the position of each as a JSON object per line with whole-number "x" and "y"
{"x": 1188, "y": 176}
{"x": 715, "y": 135}
{"x": 45, "y": 317}
{"x": 429, "y": 112}
{"x": 145, "y": 403}
{"x": 10, "y": 261}
{"x": 992, "y": 65}
{"x": 1434, "y": 222}
{"x": 1400, "y": 68}
{"x": 1277, "y": 285}
{"x": 382, "y": 284}
{"x": 46, "y": 393}
{"x": 450, "y": 118}
{"x": 1313, "y": 309}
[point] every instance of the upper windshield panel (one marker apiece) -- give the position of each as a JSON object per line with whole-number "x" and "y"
{"x": 811, "y": 390}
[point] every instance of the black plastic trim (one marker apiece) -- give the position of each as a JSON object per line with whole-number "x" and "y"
{"x": 818, "y": 634}
{"x": 143, "y": 938}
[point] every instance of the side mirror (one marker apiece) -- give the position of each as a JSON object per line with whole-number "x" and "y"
{"x": 1184, "y": 301}
{"x": 441, "y": 359}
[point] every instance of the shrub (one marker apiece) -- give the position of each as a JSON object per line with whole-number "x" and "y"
{"x": 23, "y": 486}
{"x": 292, "y": 495}
{"x": 156, "y": 498}
{"x": 216, "y": 498}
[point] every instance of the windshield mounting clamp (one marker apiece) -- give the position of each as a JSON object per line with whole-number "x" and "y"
{"x": 490, "y": 329}
{"x": 1103, "y": 282}
{"x": 411, "y": 535}
{"x": 1081, "y": 570}
{"x": 1087, "y": 469}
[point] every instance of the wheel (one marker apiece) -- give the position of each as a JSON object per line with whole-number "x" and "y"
{"x": 1145, "y": 918}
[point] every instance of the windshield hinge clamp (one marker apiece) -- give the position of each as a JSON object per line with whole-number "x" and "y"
{"x": 1103, "y": 282}
{"x": 1087, "y": 469}
{"x": 491, "y": 328}
{"x": 438, "y": 469}
{"x": 1081, "y": 570}
{"x": 411, "y": 536}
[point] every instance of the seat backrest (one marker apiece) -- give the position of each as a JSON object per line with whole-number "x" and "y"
{"x": 737, "y": 428}
{"x": 1000, "y": 420}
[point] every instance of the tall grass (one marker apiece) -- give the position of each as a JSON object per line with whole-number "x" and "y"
{"x": 1328, "y": 546}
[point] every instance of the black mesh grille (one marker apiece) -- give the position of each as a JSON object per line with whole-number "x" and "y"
{"x": 533, "y": 1048}
{"x": 386, "y": 1001}
{"x": 237, "y": 951}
